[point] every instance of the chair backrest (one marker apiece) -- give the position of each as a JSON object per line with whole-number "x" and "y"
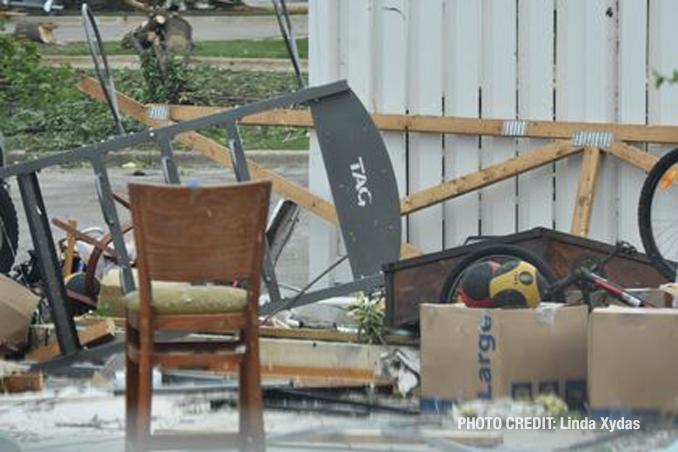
{"x": 201, "y": 234}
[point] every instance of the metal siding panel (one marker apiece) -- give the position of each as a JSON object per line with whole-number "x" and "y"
{"x": 632, "y": 107}
{"x": 535, "y": 101}
{"x": 426, "y": 92}
{"x": 498, "y": 202}
{"x": 462, "y": 84}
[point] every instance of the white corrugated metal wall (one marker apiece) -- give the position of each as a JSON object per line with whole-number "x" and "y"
{"x": 570, "y": 60}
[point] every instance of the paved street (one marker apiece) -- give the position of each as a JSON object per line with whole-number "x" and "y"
{"x": 210, "y": 28}
{"x": 70, "y": 193}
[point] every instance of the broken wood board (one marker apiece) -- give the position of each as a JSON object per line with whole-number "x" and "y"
{"x": 316, "y": 363}
{"x": 447, "y": 124}
{"x": 310, "y": 334}
{"x": 36, "y": 32}
{"x": 22, "y": 382}
{"x": 329, "y": 335}
{"x": 97, "y": 333}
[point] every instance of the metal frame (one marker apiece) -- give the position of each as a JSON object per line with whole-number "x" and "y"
{"x": 26, "y": 173}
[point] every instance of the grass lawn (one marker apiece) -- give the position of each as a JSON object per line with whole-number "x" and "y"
{"x": 70, "y": 119}
{"x": 238, "y": 48}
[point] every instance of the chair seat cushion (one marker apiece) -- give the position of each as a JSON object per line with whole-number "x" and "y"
{"x": 175, "y": 298}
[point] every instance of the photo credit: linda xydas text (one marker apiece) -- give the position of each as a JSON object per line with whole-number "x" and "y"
{"x": 546, "y": 423}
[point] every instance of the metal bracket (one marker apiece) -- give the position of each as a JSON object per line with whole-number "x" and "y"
{"x": 158, "y": 112}
{"x": 514, "y": 128}
{"x": 592, "y": 139}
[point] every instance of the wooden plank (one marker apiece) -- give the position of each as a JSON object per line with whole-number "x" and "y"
{"x": 70, "y": 249}
{"x": 329, "y": 335}
{"x": 590, "y": 169}
{"x": 73, "y": 232}
{"x": 498, "y": 202}
{"x": 631, "y": 105}
{"x": 458, "y": 125}
{"x": 96, "y": 333}
{"x": 425, "y": 95}
{"x": 221, "y": 155}
{"x": 495, "y": 173}
{"x": 633, "y": 156}
{"x": 535, "y": 101}
{"x": 462, "y": 98}
{"x": 23, "y": 382}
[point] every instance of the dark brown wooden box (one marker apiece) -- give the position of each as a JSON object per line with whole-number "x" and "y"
{"x": 411, "y": 282}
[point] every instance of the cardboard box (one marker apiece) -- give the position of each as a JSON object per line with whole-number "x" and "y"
{"x": 488, "y": 353}
{"x": 17, "y": 305}
{"x": 633, "y": 361}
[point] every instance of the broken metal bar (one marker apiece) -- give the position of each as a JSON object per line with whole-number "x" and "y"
{"x": 242, "y": 173}
{"x": 105, "y": 195}
{"x": 52, "y": 280}
{"x": 169, "y": 168}
{"x": 364, "y": 285}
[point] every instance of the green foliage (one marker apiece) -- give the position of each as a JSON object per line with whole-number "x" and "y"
{"x": 42, "y": 107}
{"x": 161, "y": 89}
{"x": 369, "y": 312}
{"x": 661, "y": 79}
{"x": 42, "y": 110}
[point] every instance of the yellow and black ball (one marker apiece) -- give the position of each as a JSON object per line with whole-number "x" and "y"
{"x": 517, "y": 284}
{"x": 511, "y": 284}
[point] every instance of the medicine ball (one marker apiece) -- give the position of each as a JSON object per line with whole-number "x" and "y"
{"x": 516, "y": 284}
{"x": 474, "y": 289}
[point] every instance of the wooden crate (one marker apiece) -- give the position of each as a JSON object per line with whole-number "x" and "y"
{"x": 411, "y": 282}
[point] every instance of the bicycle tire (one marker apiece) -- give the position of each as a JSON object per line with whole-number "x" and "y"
{"x": 490, "y": 250}
{"x": 647, "y": 234}
{"x": 9, "y": 231}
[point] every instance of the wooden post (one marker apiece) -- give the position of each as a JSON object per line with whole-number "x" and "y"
{"x": 70, "y": 249}
{"x": 590, "y": 168}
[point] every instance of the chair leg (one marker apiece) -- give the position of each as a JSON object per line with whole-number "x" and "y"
{"x": 252, "y": 435}
{"x": 145, "y": 390}
{"x": 131, "y": 391}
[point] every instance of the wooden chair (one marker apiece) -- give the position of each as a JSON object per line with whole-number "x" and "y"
{"x": 196, "y": 236}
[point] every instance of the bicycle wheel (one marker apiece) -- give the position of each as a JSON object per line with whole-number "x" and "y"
{"x": 658, "y": 215}
{"x": 500, "y": 253}
{"x": 103, "y": 71}
{"x": 9, "y": 231}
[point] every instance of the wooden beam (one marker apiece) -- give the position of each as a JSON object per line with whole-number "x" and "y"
{"x": 452, "y": 124}
{"x": 22, "y": 382}
{"x": 329, "y": 335}
{"x": 99, "y": 332}
{"x": 632, "y": 155}
{"x": 221, "y": 155}
{"x": 586, "y": 191}
{"x": 84, "y": 237}
{"x": 70, "y": 249}
{"x": 490, "y": 175}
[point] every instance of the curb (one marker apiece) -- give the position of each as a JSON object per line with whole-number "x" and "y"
{"x": 132, "y": 62}
{"x": 189, "y": 159}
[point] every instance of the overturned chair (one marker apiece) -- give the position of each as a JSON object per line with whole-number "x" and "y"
{"x": 207, "y": 238}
